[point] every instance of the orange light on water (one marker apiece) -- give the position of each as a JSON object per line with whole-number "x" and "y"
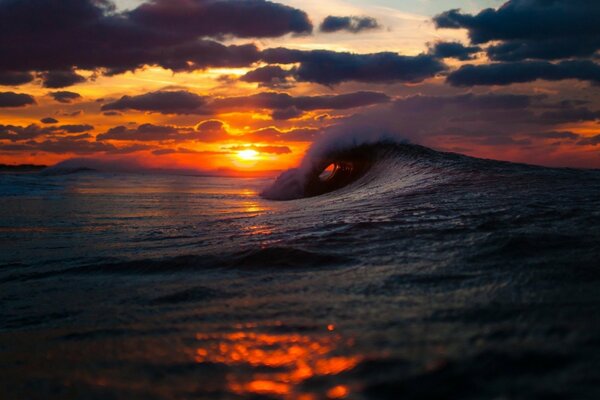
{"x": 281, "y": 362}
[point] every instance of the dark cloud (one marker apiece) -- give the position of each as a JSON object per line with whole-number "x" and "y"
{"x": 524, "y": 71}
{"x": 49, "y": 120}
{"x": 548, "y": 49}
{"x": 178, "y": 35}
{"x": 208, "y": 131}
{"x": 13, "y": 78}
{"x": 350, "y": 24}
{"x": 240, "y": 18}
{"x": 70, "y": 145}
{"x": 78, "y": 128}
{"x": 184, "y": 102}
{"x": 453, "y": 50}
{"x": 590, "y": 141}
{"x": 262, "y": 149}
{"x": 12, "y": 99}
{"x": 211, "y": 131}
{"x": 209, "y": 125}
{"x": 569, "y": 114}
{"x": 284, "y": 102}
{"x": 65, "y": 96}
{"x": 165, "y": 102}
{"x": 532, "y": 29}
{"x": 16, "y": 133}
{"x": 330, "y": 68}
{"x": 164, "y": 152}
{"x": 555, "y": 135}
{"x": 269, "y": 76}
{"x": 60, "y": 79}
{"x": 75, "y": 113}
{"x": 145, "y": 132}
{"x": 58, "y": 35}
{"x": 287, "y": 113}
{"x": 111, "y": 114}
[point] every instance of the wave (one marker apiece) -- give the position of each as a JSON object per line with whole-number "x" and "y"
{"x": 385, "y": 164}
{"x": 389, "y": 164}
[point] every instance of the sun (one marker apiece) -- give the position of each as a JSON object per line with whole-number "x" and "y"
{"x": 247, "y": 155}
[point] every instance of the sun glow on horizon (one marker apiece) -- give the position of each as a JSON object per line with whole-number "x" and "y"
{"x": 247, "y": 155}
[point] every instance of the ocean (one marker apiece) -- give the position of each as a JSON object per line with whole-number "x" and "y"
{"x": 402, "y": 273}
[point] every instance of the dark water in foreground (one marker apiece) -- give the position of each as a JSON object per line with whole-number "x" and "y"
{"x": 431, "y": 276}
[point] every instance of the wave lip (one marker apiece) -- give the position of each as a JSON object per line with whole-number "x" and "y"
{"x": 381, "y": 161}
{"x": 320, "y": 175}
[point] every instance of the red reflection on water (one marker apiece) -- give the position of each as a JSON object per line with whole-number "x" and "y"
{"x": 280, "y": 361}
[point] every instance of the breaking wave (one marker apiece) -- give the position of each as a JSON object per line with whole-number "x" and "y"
{"x": 373, "y": 167}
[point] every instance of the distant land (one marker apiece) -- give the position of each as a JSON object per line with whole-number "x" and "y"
{"x": 21, "y": 168}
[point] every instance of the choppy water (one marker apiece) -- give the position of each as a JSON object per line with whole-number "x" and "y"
{"x": 429, "y": 276}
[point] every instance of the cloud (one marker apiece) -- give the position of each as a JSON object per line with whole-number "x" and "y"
{"x": 145, "y": 132}
{"x": 75, "y": 113}
{"x": 77, "y": 146}
{"x": 569, "y": 114}
{"x": 453, "y": 50}
{"x": 164, "y": 102}
{"x": 16, "y": 133}
{"x": 351, "y": 24}
{"x": 12, "y": 99}
{"x": 14, "y": 78}
{"x": 283, "y": 102}
{"x": 287, "y": 114}
{"x": 269, "y": 76}
{"x": 179, "y": 35}
{"x": 590, "y": 141}
{"x": 210, "y": 125}
{"x": 240, "y": 18}
{"x": 65, "y": 96}
{"x": 60, "y": 79}
{"x": 555, "y": 135}
{"x": 56, "y": 36}
{"x": 49, "y": 120}
{"x": 77, "y": 128}
{"x": 331, "y": 68}
{"x": 111, "y": 114}
{"x": 524, "y": 71}
{"x": 532, "y": 29}
{"x": 211, "y": 131}
{"x": 548, "y": 49}
{"x": 206, "y": 131}
{"x": 184, "y": 102}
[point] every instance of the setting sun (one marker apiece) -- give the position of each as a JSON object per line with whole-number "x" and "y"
{"x": 247, "y": 155}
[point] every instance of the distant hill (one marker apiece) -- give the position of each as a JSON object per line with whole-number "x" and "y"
{"x": 22, "y": 168}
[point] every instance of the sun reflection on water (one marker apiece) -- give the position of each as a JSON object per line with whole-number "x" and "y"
{"x": 276, "y": 364}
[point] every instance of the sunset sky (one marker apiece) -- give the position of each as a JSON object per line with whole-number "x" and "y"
{"x": 249, "y": 85}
